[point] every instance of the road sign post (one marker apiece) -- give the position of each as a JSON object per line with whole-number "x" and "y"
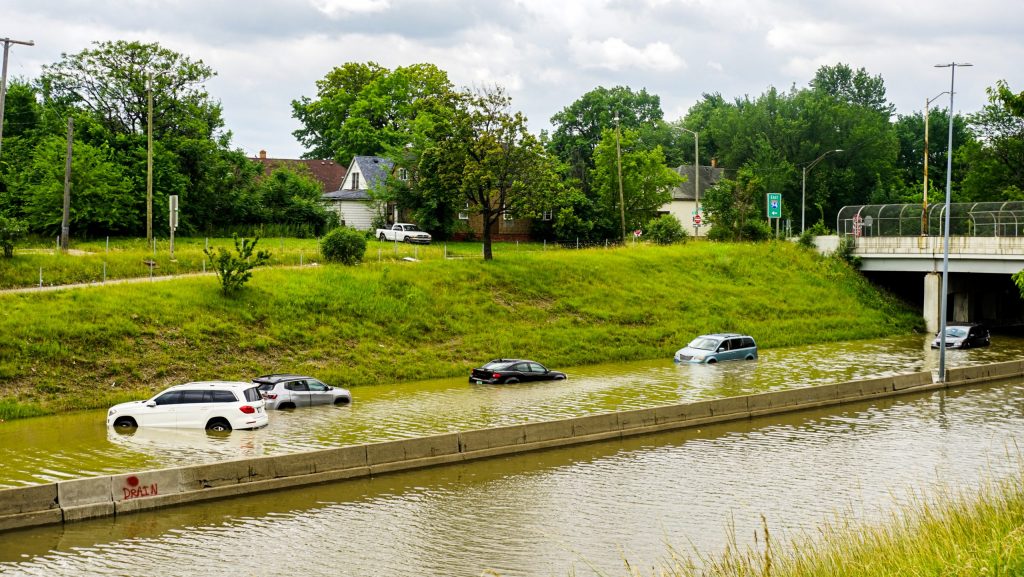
{"x": 774, "y": 205}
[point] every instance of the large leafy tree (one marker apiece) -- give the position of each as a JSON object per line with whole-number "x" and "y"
{"x": 996, "y": 159}
{"x": 776, "y": 135}
{"x": 366, "y": 109}
{"x": 101, "y": 200}
{"x": 578, "y": 128}
{"x": 486, "y": 159}
{"x": 192, "y": 158}
{"x": 646, "y": 182}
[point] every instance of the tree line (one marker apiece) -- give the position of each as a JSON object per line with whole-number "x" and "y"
{"x": 468, "y": 150}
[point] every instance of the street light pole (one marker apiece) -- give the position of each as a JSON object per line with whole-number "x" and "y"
{"x": 924, "y": 204}
{"x": 945, "y": 234}
{"x": 618, "y": 160}
{"x": 3, "y": 81}
{"x": 803, "y": 186}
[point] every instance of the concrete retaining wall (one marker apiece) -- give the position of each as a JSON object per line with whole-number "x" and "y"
{"x": 80, "y": 499}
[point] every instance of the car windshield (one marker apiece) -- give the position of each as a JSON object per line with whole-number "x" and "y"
{"x": 956, "y": 332}
{"x": 704, "y": 344}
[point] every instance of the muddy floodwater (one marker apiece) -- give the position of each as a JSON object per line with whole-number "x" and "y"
{"x": 76, "y": 445}
{"x": 579, "y": 510}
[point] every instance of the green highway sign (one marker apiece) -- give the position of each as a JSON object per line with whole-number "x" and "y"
{"x": 774, "y": 205}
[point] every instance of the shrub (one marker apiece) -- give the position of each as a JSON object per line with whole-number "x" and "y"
{"x": 806, "y": 239}
{"x": 11, "y": 231}
{"x": 234, "y": 271}
{"x": 665, "y": 229}
{"x": 345, "y": 245}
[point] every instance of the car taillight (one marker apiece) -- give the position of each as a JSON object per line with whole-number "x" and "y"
{"x": 496, "y": 376}
{"x": 247, "y": 409}
{"x": 270, "y": 396}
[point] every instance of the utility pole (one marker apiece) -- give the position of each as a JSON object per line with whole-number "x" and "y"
{"x": 618, "y": 161}
{"x": 149, "y": 160}
{"x": 65, "y": 223}
{"x": 3, "y": 81}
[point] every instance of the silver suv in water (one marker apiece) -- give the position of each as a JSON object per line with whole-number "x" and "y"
{"x": 718, "y": 347}
{"x": 292, "y": 391}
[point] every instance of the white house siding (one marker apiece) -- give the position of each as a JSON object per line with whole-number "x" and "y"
{"x": 357, "y": 214}
{"x": 683, "y": 211}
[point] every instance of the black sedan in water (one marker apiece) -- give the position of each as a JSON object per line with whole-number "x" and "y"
{"x": 503, "y": 371}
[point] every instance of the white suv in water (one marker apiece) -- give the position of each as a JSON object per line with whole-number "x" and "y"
{"x": 210, "y": 405}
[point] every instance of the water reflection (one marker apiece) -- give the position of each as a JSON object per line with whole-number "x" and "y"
{"x": 578, "y": 508}
{"x": 68, "y": 446}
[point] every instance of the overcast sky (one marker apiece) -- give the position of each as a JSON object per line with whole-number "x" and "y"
{"x": 547, "y": 53}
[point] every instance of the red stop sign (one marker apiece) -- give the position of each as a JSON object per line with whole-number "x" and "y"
{"x": 696, "y": 219}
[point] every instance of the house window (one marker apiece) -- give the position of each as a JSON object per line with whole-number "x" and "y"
{"x": 355, "y": 181}
{"x": 464, "y": 214}
{"x": 547, "y": 215}
{"x": 403, "y": 174}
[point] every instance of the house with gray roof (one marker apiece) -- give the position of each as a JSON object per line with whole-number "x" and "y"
{"x": 684, "y": 201}
{"x": 352, "y": 202}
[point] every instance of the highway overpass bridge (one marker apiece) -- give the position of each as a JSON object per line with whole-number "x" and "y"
{"x": 986, "y": 247}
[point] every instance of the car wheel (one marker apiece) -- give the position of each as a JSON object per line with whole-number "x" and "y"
{"x": 218, "y": 425}
{"x": 712, "y": 361}
{"x": 560, "y": 378}
{"x": 406, "y": 239}
{"x": 382, "y": 237}
{"x": 750, "y": 357}
{"x": 125, "y": 423}
{"x": 342, "y": 401}
{"x": 511, "y": 381}
{"x": 286, "y": 406}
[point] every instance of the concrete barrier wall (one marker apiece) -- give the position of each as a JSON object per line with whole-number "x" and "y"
{"x": 80, "y": 499}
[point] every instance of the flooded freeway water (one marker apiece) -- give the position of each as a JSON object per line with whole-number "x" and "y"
{"x": 581, "y": 509}
{"x": 69, "y": 446}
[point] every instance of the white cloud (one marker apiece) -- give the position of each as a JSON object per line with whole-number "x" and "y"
{"x": 616, "y": 54}
{"x": 334, "y": 8}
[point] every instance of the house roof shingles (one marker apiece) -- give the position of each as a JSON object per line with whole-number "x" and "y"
{"x": 330, "y": 174}
{"x": 709, "y": 176}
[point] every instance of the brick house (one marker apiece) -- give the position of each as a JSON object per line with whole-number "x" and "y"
{"x": 330, "y": 174}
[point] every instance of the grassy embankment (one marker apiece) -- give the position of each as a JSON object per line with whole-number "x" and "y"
{"x": 96, "y": 261}
{"x": 951, "y": 534}
{"x": 385, "y": 322}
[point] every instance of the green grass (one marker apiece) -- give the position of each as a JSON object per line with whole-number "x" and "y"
{"x": 391, "y": 321}
{"x": 952, "y": 534}
{"x": 97, "y": 261}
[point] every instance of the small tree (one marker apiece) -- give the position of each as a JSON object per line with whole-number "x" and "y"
{"x": 665, "y": 230}
{"x": 345, "y": 245}
{"x": 11, "y": 231}
{"x": 236, "y": 270}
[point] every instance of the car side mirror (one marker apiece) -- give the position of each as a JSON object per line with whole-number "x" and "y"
{"x": 151, "y": 404}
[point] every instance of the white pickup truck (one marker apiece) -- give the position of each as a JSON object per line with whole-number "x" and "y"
{"x": 404, "y": 232}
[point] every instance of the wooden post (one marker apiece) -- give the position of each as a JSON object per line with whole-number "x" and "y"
{"x": 65, "y": 226}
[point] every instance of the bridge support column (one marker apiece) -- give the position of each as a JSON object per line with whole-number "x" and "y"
{"x": 962, "y": 307}
{"x": 932, "y": 302}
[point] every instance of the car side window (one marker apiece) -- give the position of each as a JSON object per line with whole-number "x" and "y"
{"x": 536, "y": 368}
{"x": 723, "y": 346}
{"x": 735, "y": 344}
{"x": 170, "y": 398}
{"x": 252, "y": 394}
{"x": 315, "y": 385}
{"x": 223, "y": 397}
{"x": 297, "y": 386}
{"x": 748, "y": 343}
{"x": 192, "y": 396}
{"x": 521, "y": 367}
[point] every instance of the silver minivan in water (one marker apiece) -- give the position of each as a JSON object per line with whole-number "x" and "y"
{"x": 718, "y": 347}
